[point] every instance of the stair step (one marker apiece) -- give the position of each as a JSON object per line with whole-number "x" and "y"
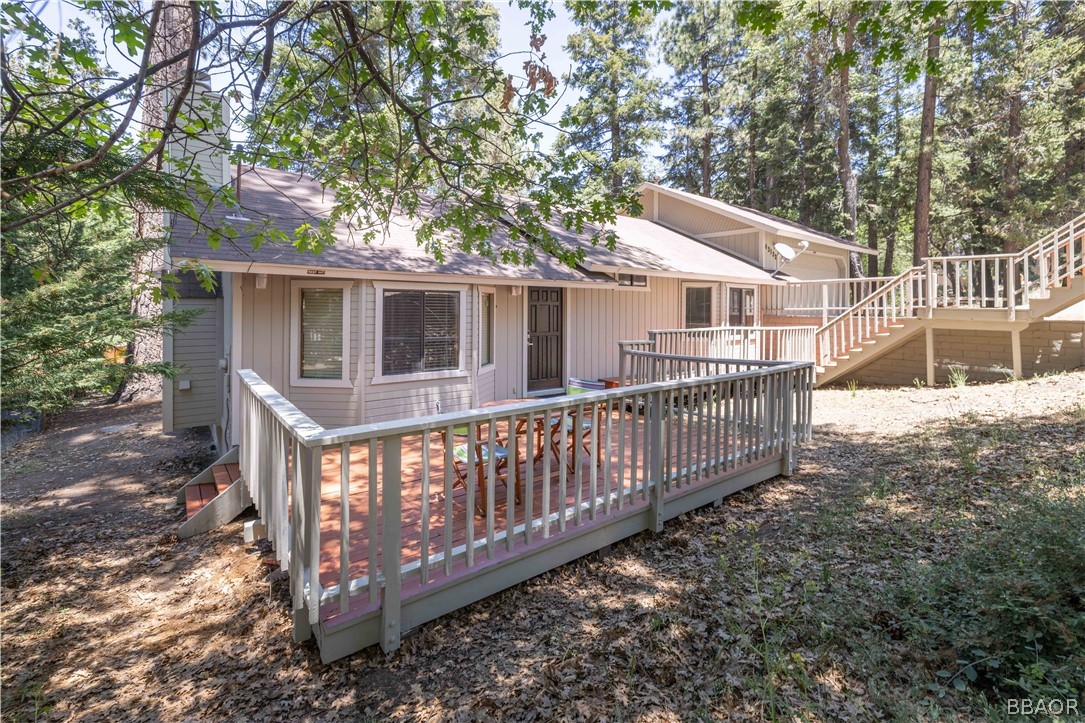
{"x": 197, "y": 496}
{"x": 225, "y": 475}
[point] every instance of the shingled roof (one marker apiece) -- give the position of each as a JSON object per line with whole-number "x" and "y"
{"x": 288, "y": 200}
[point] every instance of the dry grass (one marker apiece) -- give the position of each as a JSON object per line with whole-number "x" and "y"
{"x": 782, "y": 604}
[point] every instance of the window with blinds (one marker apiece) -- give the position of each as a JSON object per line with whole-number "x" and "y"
{"x": 486, "y": 328}
{"x": 321, "y": 334}
{"x": 421, "y": 331}
{"x": 698, "y": 307}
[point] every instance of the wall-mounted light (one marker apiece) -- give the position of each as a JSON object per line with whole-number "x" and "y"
{"x": 517, "y": 290}
{"x": 261, "y": 281}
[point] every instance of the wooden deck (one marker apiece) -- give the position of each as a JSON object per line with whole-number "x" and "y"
{"x": 699, "y": 434}
{"x": 582, "y": 483}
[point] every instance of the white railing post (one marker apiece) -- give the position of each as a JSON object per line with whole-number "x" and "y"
{"x": 932, "y": 288}
{"x": 824, "y": 304}
{"x": 655, "y": 460}
{"x": 788, "y": 425}
{"x": 1011, "y": 289}
{"x": 391, "y": 484}
{"x": 311, "y": 461}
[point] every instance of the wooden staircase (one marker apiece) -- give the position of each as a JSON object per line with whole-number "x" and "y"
{"x": 1014, "y": 289}
{"x": 214, "y": 497}
{"x": 197, "y": 496}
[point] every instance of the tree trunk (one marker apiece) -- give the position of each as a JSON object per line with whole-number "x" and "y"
{"x": 921, "y": 242}
{"x": 873, "y": 193}
{"x": 843, "y": 145}
{"x": 1011, "y": 170}
{"x": 806, "y": 138}
{"x": 894, "y": 203}
{"x": 751, "y": 170}
{"x": 706, "y": 141}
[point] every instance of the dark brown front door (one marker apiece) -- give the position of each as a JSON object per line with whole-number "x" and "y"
{"x": 545, "y": 342}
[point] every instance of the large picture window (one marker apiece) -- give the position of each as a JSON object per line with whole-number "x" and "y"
{"x": 320, "y": 313}
{"x": 421, "y": 331}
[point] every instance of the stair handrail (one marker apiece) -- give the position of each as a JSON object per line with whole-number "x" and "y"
{"x": 1004, "y": 279}
{"x": 830, "y": 334}
{"x": 827, "y": 337}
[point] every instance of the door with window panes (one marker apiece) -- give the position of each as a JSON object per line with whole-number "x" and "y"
{"x": 742, "y": 311}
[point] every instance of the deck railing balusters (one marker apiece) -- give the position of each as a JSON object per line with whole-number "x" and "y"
{"x": 424, "y": 553}
{"x": 374, "y": 590}
{"x": 694, "y": 403}
{"x": 344, "y": 527}
{"x": 472, "y": 483}
{"x": 529, "y": 497}
{"x": 548, "y": 417}
{"x": 512, "y": 474}
{"x": 449, "y": 521}
{"x": 491, "y": 484}
{"x": 563, "y": 470}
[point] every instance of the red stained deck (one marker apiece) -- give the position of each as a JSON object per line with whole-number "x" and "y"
{"x": 442, "y": 535}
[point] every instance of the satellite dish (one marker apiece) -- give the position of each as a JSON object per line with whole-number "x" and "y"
{"x": 785, "y": 251}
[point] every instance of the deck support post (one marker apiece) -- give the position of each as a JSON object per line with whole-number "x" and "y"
{"x": 391, "y": 487}
{"x": 302, "y": 629}
{"x": 787, "y": 428}
{"x": 930, "y": 355}
{"x": 1015, "y": 343}
{"x": 655, "y": 460}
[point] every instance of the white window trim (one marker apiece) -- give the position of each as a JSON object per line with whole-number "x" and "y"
{"x": 713, "y": 304}
{"x": 486, "y": 368}
{"x": 296, "y": 380}
{"x": 639, "y": 289}
{"x": 378, "y": 343}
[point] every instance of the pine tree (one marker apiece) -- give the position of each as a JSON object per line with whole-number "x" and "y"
{"x": 699, "y": 42}
{"x": 619, "y": 112}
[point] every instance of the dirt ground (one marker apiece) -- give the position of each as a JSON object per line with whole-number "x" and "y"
{"x": 106, "y": 615}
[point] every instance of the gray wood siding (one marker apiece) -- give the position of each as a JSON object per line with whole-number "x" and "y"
{"x": 265, "y": 347}
{"x": 196, "y": 351}
{"x": 597, "y": 319}
{"x": 509, "y": 339}
{"x": 689, "y": 217}
{"x": 819, "y": 262}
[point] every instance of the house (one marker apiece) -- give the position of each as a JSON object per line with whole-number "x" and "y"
{"x": 376, "y": 332}
{"x": 401, "y": 424}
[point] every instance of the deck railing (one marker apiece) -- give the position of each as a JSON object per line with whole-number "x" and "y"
{"x": 876, "y": 314}
{"x": 1008, "y": 281}
{"x": 766, "y": 343}
{"x": 615, "y": 457}
{"x": 820, "y": 300}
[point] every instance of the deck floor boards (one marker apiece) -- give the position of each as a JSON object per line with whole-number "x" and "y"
{"x": 703, "y": 437}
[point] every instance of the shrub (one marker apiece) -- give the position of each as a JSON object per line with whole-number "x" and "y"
{"x": 1007, "y": 614}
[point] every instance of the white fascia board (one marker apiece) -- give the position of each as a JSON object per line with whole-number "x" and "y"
{"x": 335, "y": 272}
